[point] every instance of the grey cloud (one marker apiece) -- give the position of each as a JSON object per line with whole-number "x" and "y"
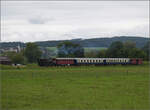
{"x": 40, "y": 20}
{"x": 66, "y": 20}
{"x": 141, "y": 30}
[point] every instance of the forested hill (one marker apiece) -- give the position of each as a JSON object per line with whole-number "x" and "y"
{"x": 94, "y": 42}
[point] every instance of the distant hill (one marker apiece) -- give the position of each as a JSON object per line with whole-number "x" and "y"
{"x": 93, "y": 42}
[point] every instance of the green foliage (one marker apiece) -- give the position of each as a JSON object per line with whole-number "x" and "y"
{"x": 102, "y": 54}
{"x": 130, "y": 50}
{"x": 91, "y": 54}
{"x": 69, "y": 49}
{"x": 146, "y": 49}
{"x": 136, "y": 53}
{"x": 129, "y": 44}
{"x": 9, "y": 54}
{"x": 115, "y": 50}
{"x": 125, "y": 50}
{"x": 17, "y": 58}
{"x": 32, "y": 52}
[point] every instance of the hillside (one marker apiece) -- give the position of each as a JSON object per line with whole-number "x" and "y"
{"x": 94, "y": 42}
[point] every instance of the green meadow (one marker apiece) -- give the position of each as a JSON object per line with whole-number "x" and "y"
{"x": 86, "y": 49}
{"x": 84, "y": 87}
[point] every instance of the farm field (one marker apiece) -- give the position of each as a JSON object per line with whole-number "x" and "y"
{"x": 86, "y": 49}
{"x": 86, "y": 87}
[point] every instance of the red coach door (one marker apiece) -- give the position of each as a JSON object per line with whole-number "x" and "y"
{"x": 133, "y": 61}
{"x": 139, "y": 61}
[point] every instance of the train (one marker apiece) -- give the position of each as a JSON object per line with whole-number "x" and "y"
{"x": 88, "y": 61}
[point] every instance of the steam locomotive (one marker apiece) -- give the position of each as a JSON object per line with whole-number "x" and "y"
{"x": 88, "y": 61}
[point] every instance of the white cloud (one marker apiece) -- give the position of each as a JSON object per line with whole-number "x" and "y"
{"x": 35, "y": 21}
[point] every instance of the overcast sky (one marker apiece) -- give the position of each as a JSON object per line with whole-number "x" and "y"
{"x": 57, "y": 20}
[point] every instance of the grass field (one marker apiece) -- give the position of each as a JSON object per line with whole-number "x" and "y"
{"x": 86, "y": 49}
{"x": 51, "y": 48}
{"x": 104, "y": 87}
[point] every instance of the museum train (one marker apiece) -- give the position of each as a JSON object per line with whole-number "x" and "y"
{"x": 88, "y": 61}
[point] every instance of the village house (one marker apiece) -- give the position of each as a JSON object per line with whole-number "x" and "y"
{"x": 5, "y": 60}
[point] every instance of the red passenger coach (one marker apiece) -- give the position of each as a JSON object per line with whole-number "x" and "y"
{"x": 140, "y": 61}
{"x": 136, "y": 61}
{"x": 133, "y": 61}
{"x": 65, "y": 61}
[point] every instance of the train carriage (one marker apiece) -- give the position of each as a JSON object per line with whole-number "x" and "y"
{"x": 65, "y": 61}
{"x": 89, "y": 61}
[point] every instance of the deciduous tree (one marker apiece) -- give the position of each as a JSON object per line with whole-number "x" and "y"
{"x": 32, "y": 52}
{"x": 69, "y": 49}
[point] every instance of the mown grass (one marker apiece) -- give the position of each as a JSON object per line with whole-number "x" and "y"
{"x": 52, "y": 48}
{"x": 86, "y": 87}
{"x": 88, "y": 49}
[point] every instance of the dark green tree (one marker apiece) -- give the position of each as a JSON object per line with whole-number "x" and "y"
{"x": 91, "y": 54}
{"x": 69, "y": 49}
{"x": 115, "y": 50}
{"x": 102, "y": 53}
{"x": 9, "y": 54}
{"x": 146, "y": 49}
{"x": 18, "y": 58}
{"x": 137, "y": 53}
{"x": 32, "y": 52}
{"x": 129, "y": 46}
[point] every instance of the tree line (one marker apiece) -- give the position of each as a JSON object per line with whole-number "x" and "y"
{"x": 117, "y": 49}
{"x": 28, "y": 55}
